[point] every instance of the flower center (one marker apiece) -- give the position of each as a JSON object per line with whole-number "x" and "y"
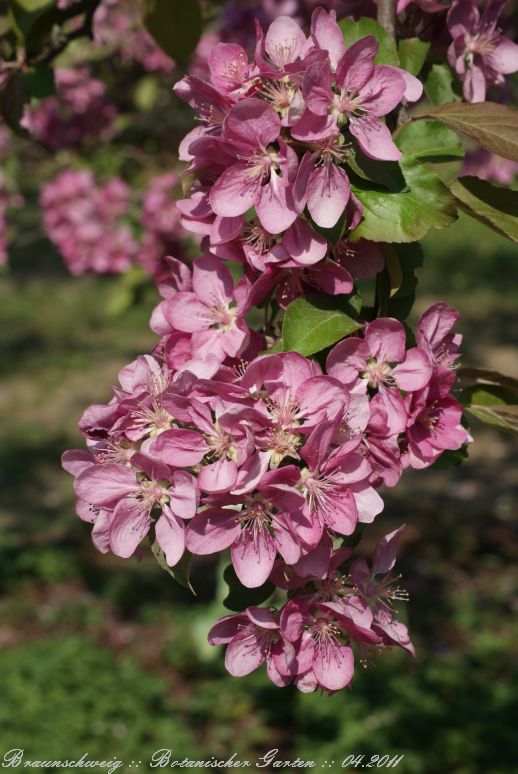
{"x": 377, "y": 373}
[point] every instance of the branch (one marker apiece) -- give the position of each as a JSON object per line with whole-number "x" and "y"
{"x": 387, "y": 16}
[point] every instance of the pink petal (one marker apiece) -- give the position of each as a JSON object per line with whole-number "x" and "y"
{"x": 285, "y": 41}
{"x": 368, "y": 503}
{"x": 384, "y": 557}
{"x": 186, "y": 313}
{"x": 328, "y": 35}
{"x": 183, "y": 494}
{"x": 304, "y": 245}
{"x": 252, "y": 122}
{"x": 105, "y": 485}
{"x": 356, "y": 67}
{"x": 385, "y": 90}
{"x": 76, "y": 460}
{"x": 226, "y": 628}
{"x": 374, "y": 138}
{"x": 386, "y": 340}
{"x": 474, "y": 86}
{"x": 219, "y": 476}
{"x": 212, "y": 282}
{"x": 415, "y": 371}
{"x": 253, "y": 555}
{"x": 347, "y": 359}
{"x": 275, "y": 206}
{"x": 316, "y": 88}
{"x": 328, "y": 192}
{"x": 504, "y": 57}
{"x": 333, "y": 665}
{"x": 130, "y": 524}
{"x": 179, "y": 448}
{"x": 212, "y": 530}
{"x": 234, "y": 192}
{"x": 312, "y": 128}
{"x": 170, "y": 534}
{"x": 228, "y": 65}
{"x": 243, "y": 654}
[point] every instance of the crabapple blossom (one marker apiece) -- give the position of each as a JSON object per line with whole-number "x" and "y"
{"x": 480, "y": 54}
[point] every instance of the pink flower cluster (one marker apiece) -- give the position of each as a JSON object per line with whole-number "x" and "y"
{"x": 274, "y": 136}
{"x": 92, "y": 224}
{"x": 118, "y": 28}
{"x": 80, "y": 109}
{"x": 85, "y": 221}
{"x": 208, "y": 445}
{"x": 160, "y": 220}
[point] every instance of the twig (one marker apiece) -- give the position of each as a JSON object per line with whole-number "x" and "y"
{"x": 387, "y": 16}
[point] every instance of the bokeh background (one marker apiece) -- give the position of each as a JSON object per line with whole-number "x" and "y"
{"x": 109, "y": 656}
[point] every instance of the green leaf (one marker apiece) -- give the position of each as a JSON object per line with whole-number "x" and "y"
{"x": 24, "y": 13}
{"x": 438, "y": 85}
{"x": 240, "y": 597}
{"x": 429, "y": 141}
{"x": 487, "y": 376}
{"x": 495, "y": 207}
{"x": 314, "y": 322}
{"x": 406, "y": 216}
{"x": 396, "y": 284}
{"x": 355, "y": 30}
{"x": 180, "y": 572}
{"x": 382, "y": 173}
{"x": 494, "y": 405}
{"x": 451, "y": 459}
{"x": 412, "y": 54}
{"x": 38, "y": 81}
{"x": 176, "y": 26}
{"x": 491, "y": 125}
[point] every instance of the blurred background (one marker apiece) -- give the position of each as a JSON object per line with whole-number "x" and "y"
{"x": 109, "y": 656}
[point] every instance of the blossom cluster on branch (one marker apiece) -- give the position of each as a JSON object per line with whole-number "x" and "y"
{"x": 271, "y": 443}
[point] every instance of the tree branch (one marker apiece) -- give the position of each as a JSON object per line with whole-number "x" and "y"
{"x": 387, "y": 16}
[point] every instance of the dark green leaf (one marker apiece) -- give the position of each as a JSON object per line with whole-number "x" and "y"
{"x": 438, "y": 85}
{"x": 386, "y": 174}
{"x": 38, "y": 81}
{"x": 429, "y": 141}
{"x": 451, "y": 459}
{"x": 355, "y": 30}
{"x": 496, "y": 207}
{"x": 315, "y": 322}
{"x": 491, "y": 125}
{"x": 412, "y": 54}
{"x": 396, "y": 284}
{"x": 24, "y": 13}
{"x": 176, "y": 26}
{"x": 240, "y": 597}
{"x": 180, "y": 572}
{"x": 409, "y": 215}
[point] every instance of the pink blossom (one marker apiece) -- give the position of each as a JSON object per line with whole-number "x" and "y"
{"x": 366, "y": 92}
{"x": 212, "y": 312}
{"x": 131, "y": 499}
{"x": 480, "y": 53}
{"x": 380, "y": 361}
{"x": 252, "y": 638}
{"x": 261, "y": 176}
